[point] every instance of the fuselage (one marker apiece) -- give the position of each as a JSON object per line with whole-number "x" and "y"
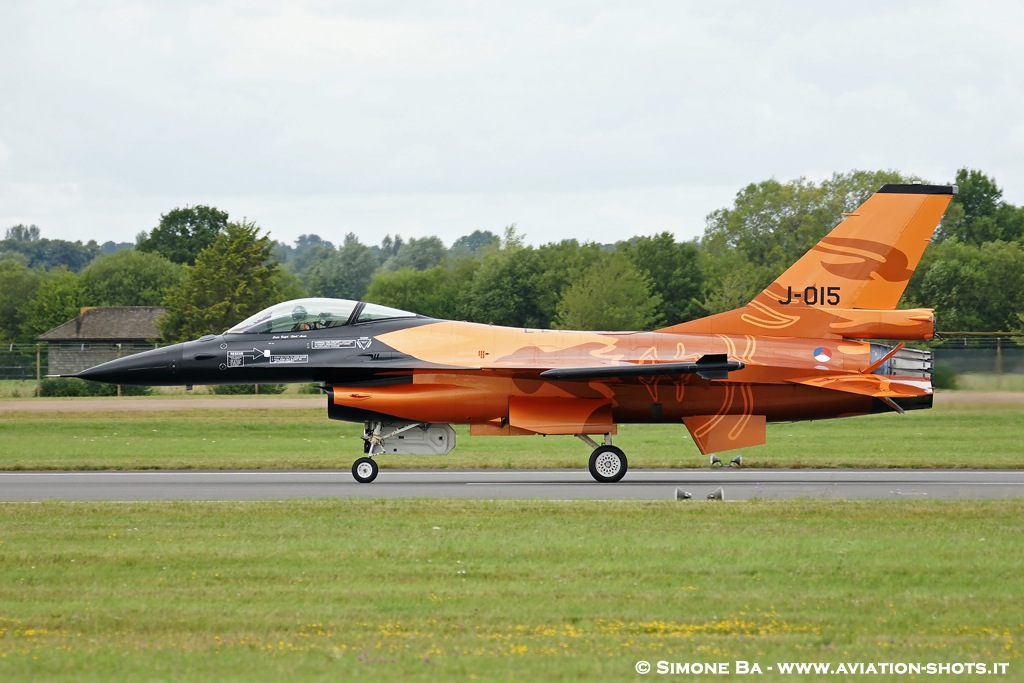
{"x": 422, "y": 369}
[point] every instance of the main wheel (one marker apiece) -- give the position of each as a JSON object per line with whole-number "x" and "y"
{"x": 608, "y": 464}
{"x": 365, "y": 470}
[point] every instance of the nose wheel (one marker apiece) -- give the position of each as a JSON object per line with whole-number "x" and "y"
{"x": 365, "y": 470}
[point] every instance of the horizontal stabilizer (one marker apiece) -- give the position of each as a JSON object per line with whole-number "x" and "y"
{"x": 871, "y": 385}
{"x": 710, "y": 366}
{"x": 716, "y": 433}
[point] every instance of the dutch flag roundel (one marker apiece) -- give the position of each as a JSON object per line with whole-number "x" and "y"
{"x": 822, "y": 355}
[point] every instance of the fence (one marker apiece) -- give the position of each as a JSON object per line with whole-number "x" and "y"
{"x": 22, "y": 361}
{"x": 980, "y": 353}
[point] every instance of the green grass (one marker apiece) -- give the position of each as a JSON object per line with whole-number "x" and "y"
{"x": 951, "y": 435}
{"x": 484, "y": 590}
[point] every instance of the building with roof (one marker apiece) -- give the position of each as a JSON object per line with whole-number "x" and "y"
{"x": 101, "y": 334}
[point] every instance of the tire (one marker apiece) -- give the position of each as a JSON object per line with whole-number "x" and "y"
{"x": 608, "y": 464}
{"x": 365, "y": 470}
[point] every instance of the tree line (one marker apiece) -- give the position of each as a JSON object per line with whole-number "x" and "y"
{"x": 210, "y": 272}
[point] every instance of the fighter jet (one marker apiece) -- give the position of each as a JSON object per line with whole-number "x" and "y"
{"x": 801, "y": 350}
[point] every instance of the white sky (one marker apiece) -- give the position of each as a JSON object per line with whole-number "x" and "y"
{"x": 596, "y": 120}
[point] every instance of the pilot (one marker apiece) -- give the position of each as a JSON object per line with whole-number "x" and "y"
{"x": 299, "y": 316}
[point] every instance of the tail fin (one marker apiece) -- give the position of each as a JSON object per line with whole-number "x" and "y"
{"x": 848, "y": 285}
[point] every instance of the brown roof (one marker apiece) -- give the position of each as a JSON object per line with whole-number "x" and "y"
{"x": 109, "y": 323}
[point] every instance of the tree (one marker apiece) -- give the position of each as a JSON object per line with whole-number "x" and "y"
{"x": 18, "y": 284}
{"x": 58, "y": 299}
{"x": 427, "y": 292}
{"x": 389, "y": 246}
{"x": 612, "y": 295}
{"x": 308, "y": 250}
{"x": 973, "y": 288}
{"x": 344, "y": 273}
{"x": 23, "y": 233}
{"x": 772, "y": 224}
{"x": 110, "y": 247}
{"x": 25, "y": 244}
{"x": 473, "y": 244}
{"x": 560, "y": 265}
{"x": 421, "y": 253}
{"x": 184, "y": 232}
{"x": 977, "y": 213}
{"x": 977, "y": 193}
{"x": 232, "y": 279}
{"x": 503, "y": 291}
{"x": 129, "y": 278}
{"x": 674, "y": 271}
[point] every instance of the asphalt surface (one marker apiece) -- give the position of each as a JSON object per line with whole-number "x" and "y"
{"x": 516, "y": 484}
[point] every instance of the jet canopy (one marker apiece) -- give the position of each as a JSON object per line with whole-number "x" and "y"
{"x": 299, "y": 315}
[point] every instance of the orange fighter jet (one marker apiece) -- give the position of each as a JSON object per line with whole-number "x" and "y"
{"x": 796, "y": 352}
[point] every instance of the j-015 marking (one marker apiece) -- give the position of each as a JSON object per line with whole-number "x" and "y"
{"x": 812, "y": 296}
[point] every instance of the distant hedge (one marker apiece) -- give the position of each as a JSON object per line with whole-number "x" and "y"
{"x": 65, "y": 387}
{"x": 241, "y": 389}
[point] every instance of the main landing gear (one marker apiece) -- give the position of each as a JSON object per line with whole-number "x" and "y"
{"x": 607, "y": 463}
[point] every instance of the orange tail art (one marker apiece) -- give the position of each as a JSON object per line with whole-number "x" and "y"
{"x": 848, "y": 285}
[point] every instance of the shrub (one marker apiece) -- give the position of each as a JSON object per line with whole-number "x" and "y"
{"x": 944, "y": 376}
{"x": 68, "y": 387}
{"x": 245, "y": 389}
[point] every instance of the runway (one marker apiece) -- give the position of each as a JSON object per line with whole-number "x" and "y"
{"x": 511, "y": 484}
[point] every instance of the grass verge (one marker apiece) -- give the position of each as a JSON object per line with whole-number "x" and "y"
{"x": 478, "y": 590}
{"x": 953, "y": 435}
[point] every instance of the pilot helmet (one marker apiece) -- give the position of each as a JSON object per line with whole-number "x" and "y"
{"x": 299, "y": 313}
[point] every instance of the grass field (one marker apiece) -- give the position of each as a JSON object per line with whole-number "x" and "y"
{"x": 469, "y": 590}
{"x": 426, "y": 590}
{"x": 983, "y": 435}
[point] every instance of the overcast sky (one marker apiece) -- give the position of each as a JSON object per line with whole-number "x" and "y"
{"x": 593, "y": 120}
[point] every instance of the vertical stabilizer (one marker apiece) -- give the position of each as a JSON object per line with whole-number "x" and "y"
{"x": 847, "y": 284}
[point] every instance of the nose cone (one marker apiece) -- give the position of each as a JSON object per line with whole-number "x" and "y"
{"x": 158, "y": 367}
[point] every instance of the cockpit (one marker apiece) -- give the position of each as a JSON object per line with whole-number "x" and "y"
{"x": 300, "y": 315}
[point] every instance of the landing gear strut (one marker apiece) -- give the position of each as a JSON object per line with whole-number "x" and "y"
{"x": 365, "y": 469}
{"x": 607, "y": 463}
